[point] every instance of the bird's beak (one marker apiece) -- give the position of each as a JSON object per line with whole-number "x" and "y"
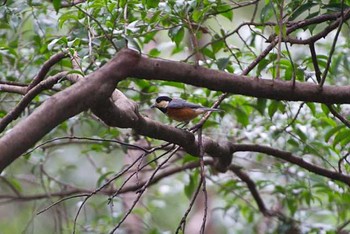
{"x": 153, "y": 106}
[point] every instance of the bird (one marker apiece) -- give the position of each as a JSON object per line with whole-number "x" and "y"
{"x": 179, "y": 109}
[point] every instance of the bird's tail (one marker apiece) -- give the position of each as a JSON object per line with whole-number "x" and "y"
{"x": 211, "y": 109}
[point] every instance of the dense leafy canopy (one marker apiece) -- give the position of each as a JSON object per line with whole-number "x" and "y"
{"x": 289, "y": 172}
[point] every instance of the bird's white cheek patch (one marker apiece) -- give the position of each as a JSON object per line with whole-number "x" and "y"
{"x": 163, "y": 104}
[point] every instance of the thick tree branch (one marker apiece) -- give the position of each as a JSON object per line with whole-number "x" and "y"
{"x": 121, "y": 112}
{"x": 88, "y": 92}
{"x": 94, "y": 92}
{"x": 29, "y": 96}
{"x": 148, "y": 68}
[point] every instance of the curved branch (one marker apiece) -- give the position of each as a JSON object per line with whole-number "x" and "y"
{"x": 252, "y": 188}
{"x": 46, "y": 68}
{"x": 289, "y": 157}
{"x": 15, "y": 113}
{"x": 323, "y": 33}
{"x": 292, "y": 26}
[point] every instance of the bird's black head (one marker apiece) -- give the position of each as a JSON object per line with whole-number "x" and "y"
{"x": 162, "y": 103}
{"x": 163, "y": 98}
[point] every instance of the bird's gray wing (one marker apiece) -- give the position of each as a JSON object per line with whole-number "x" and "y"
{"x": 179, "y": 103}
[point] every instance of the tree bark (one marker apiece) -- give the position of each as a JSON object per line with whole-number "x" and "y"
{"x": 95, "y": 91}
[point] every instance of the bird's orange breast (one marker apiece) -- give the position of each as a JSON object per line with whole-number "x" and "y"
{"x": 182, "y": 114}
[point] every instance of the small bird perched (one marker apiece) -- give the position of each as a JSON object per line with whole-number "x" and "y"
{"x": 179, "y": 109}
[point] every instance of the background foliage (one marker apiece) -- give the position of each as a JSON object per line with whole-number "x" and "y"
{"x": 82, "y": 154}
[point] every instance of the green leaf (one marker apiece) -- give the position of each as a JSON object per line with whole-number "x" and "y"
{"x": 325, "y": 109}
{"x": 192, "y": 185}
{"x": 261, "y": 66}
{"x": 172, "y": 84}
{"x": 133, "y": 42}
{"x": 149, "y": 37}
{"x": 266, "y": 12}
{"x": 150, "y": 3}
{"x": 332, "y": 131}
{"x": 76, "y": 72}
{"x": 61, "y": 41}
{"x": 207, "y": 52}
{"x": 176, "y": 34}
{"x": 345, "y": 141}
{"x": 301, "y": 134}
{"x": 293, "y": 143}
{"x": 273, "y": 107}
{"x": 70, "y": 15}
{"x": 74, "y": 42}
{"x": 300, "y": 10}
{"x": 217, "y": 46}
{"x": 226, "y": 11}
{"x": 154, "y": 231}
{"x": 335, "y": 6}
{"x": 154, "y": 52}
{"x": 197, "y": 15}
{"x": 222, "y": 63}
{"x": 292, "y": 205}
{"x": 341, "y": 135}
{"x": 15, "y": 183}
{"x": 189, "y": 158}
{"x": 2, "y": 113}
{"x": 56, "y": 5}
{"x": 261, "y": 105}
{"x": 242, "y": 116}
{"x": 312, "y": 107}
{"x": 103, "y": 177}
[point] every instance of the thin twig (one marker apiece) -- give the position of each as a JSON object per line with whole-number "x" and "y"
{"x": 62, "y": 200}
{"x": 126, "y": 189}
{"x": 341, "y": 160}
{"x": 67, "y": 4}
{"x": 91, "y": 139}
{"x": 143, "y": 189}
{"x": 204, "y": 187}
{"x": 13, "y": 188}
{"x": 294, "y": 76}
{"x": 46, "y": 68}
{"x": 280, "y": 36}
{"x": 100, "y": 188}
{"x": 329, "y": 60}
{"x": 139, "y": 169}
{"x": 182, "y": 224}
{"x": 318, "y": 72}
{"x": 338, "y": 116}
{"x": 294, "y": 118}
